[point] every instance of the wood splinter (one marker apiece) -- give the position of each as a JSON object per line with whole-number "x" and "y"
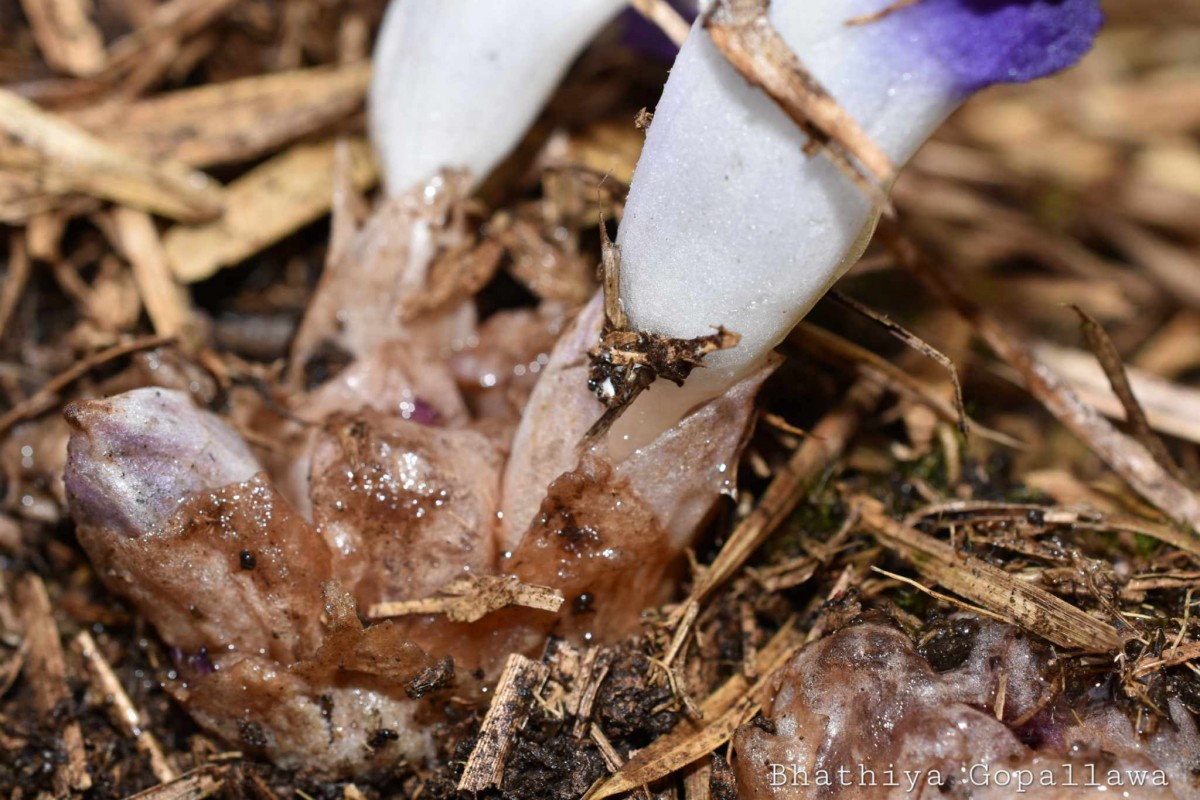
{"x": 521, "y": 680}
{"x": 124, "y": 714}
{"x": 46, "y": 668}
{"x": 473, "y": 597}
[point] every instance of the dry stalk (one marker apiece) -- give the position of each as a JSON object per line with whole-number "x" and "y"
{"x": 46, "y": 669}
{"x": 1126, "y": 457}
{"x": 121, "y": 708}
{"x": 521, "y": 680}
{"x": 48, "y": 394}
{"x": 592, "y": 673}
{"x": 744, "y": 35}
{"x": 915, "y": 342}
{"x": 473, "y": 597}
{"x": 167, "y": 304}
{"x": 827, "y": 441}
{"x": 197, "y": 784}
{"x": 1114, "y": 369}
{"x": 1000, "y": 593}
{"x": 230, "y": 122}
{"x": 736, "y": 701}
{"x": 69, "y": 40}
{"x": 266, "y": 204}
{"x": 69, "y": 159}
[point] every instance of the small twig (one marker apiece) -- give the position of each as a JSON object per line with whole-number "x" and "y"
{"x": 47, "y": 396}
{"x": 1180, "y": 654}
{"x": 1126, "y": 457}
{"x": 1001, "y": 696}
{"x": 197, "y": 784}
{"x": 592, "y": 675}
{"x": 749, "y": 634}
{"x": 936, "y": 595}
{"x": 15, "y": 279}
{"x": 348, "y": 207}
{"x": 677, "y": 684}
{"x": 611, "y": 757}
{"x": 47, "y": 671}
{"x": 723, "y": 712}
{"x": 565, "y": 683}
{"x": 473, "y": 597}
{"x": 1114, "y": 369}
{"x": 273, "y": 200}
{"x": 822, "y": 343}
{"x": 683, "y": 629}
{"x": 1015, "y": 600}
{"x": 510, "y": 707}
{"x": 828, "y": 439}
{"x": 68, "y": 158}
{"x": 780, "y": 424}
{"x": 174, "y": 19}
{"x": 67, "y": 38}
{"x": 787, "y": 575}
{"x": 840, "y": 587}
{"x": 610, "y": 276}
{"x": 167, "y": 303}
{"x": 886, "y": 11}
{"x": 1170, "y": 406}
{"x": 918, "y": 344}
{"x": 1021, "y": 721}
{"x": 1017, "y": 515}
{"x": 121, "y": 708}
{"x": 744, "y": 35}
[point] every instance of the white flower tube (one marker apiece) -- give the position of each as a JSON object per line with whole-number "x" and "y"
{"x": 729, "y": 222}
{"x": 457, "y": 82}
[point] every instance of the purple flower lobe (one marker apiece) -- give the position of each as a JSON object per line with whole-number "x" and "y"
{"x": 983, "y": 42}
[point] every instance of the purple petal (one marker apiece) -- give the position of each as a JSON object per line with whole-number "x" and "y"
{"x": 982, "y": 42}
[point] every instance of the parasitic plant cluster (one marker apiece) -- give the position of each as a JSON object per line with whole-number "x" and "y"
{"x": 394, "y": 480}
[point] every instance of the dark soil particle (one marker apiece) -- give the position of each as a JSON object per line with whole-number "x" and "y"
{"x": 252, "y": 735}
{"x": 633, "y": 706}
{"x": 947, "y": 643}
{"x": 727, "y": 642}
{"x": 431, "y": 679}
{"x": 584, "y": 603}
{"x": 329, "y": 360}
{"x": 381, "y": 737}
{"x": 33, "y": 765}
{"x": 31, "y": 746}
{"x": 722, "y": 783}
{"x": 1187, "y": 686}
{"x": 764, "y": 724}
{"x": 560, "y": 768}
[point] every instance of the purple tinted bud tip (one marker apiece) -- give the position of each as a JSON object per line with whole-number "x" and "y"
{"x": 134, "y": 457}
{"x": 982, "y": 42}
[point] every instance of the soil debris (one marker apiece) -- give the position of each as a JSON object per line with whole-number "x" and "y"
{"x": 627, "y": 362}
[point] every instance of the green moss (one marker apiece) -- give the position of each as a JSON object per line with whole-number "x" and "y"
{"x": 816, "y": 518}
